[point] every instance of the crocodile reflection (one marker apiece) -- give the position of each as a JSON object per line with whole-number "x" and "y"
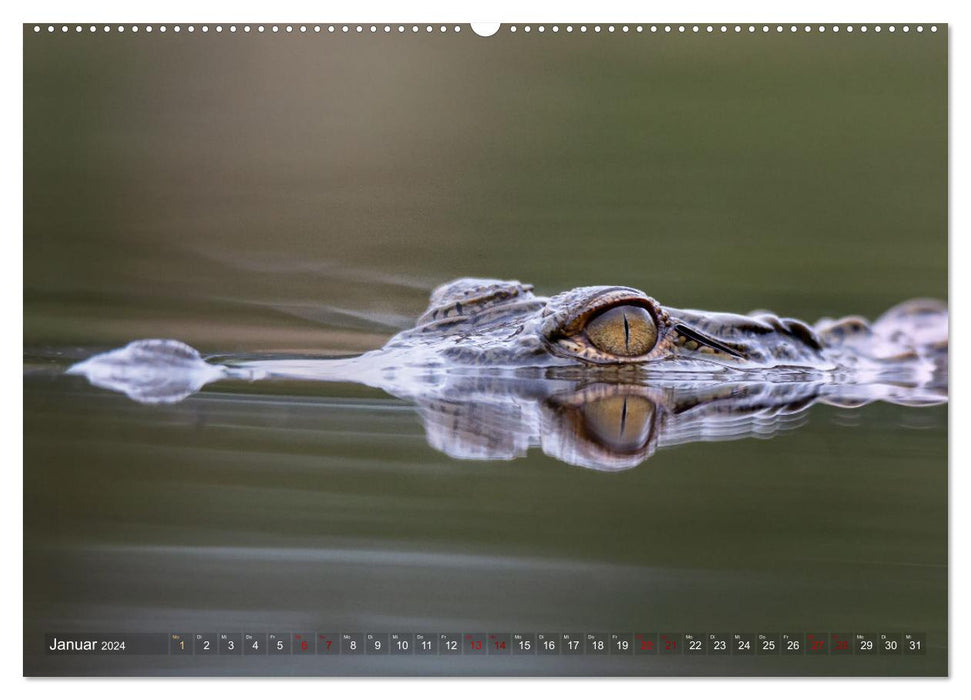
{"x": 613, "y": 426}
{"x": 599, "y": 377}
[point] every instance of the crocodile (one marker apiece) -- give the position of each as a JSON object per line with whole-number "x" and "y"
{"x": 597, "y": 376}
{"x": 502, "y": 324}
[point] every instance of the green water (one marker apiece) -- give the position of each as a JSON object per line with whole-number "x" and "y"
{"x": 252, "y": 194}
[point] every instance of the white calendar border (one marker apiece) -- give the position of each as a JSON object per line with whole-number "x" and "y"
{"x": 520, "y": 11}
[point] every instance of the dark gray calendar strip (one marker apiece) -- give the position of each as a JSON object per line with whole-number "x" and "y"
{"x": 491, "y": 644}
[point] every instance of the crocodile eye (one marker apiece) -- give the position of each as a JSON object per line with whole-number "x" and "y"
{"x": 628, "y": 331}
{"x": 621, "y": 423}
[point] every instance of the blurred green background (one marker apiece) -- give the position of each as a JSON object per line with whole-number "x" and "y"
{"x": 206, "y": 187}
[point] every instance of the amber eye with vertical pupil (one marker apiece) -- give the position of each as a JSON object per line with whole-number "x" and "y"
{"x": 620, "y": 423}
{"x": 628, "y": 331}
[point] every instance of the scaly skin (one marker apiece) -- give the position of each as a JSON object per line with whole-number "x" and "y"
{"x": 492, "y": 323}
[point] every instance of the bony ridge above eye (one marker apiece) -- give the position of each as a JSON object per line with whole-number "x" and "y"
{"x": 626, "y": 330}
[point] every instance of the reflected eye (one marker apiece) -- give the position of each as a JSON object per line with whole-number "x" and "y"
{"x": 620, "y": 423}
{"x": 623, "y": 330}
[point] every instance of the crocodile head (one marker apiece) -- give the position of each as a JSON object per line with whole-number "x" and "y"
{"x": 482, "y": 322}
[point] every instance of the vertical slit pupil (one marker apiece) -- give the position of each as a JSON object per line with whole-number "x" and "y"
{"x": 623, "y": 416}
{"x": 639, "y": 331}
